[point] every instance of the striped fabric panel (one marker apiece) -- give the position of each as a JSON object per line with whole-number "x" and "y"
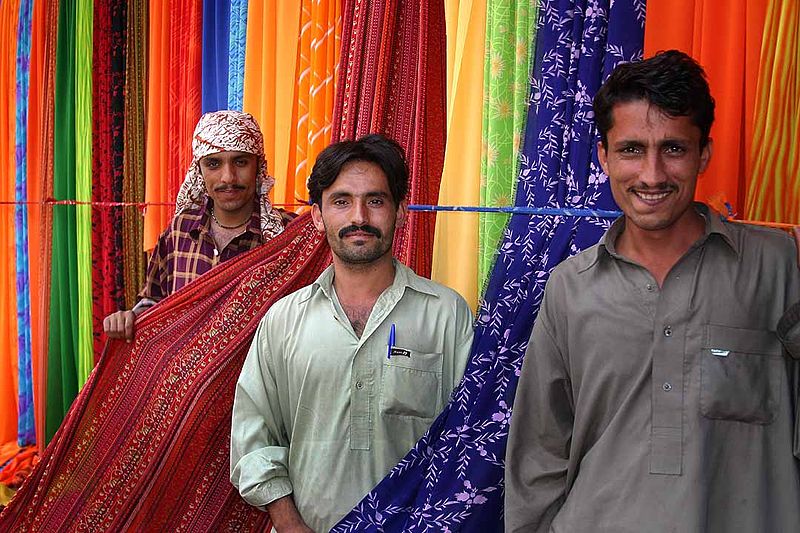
{"x": 26, "y": 433}
{"x": 773, "y": 193}
{"x": 236, "y": 52}
{"x": 84, "y": 15}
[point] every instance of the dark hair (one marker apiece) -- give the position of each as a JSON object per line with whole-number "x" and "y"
{"x": 672, "y": 81}
{"x": 373, "y": 148}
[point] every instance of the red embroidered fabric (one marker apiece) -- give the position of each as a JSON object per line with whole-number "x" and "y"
{"x": 392, "y": 81}
{"x": 145, "y": 446}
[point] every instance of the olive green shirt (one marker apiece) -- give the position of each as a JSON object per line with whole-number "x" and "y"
{"x": 324, "y": 415}
{"x": 673, "y": 408}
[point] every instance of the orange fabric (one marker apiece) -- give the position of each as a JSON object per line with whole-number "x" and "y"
{"x": 37, "y": 140}
{"x": 725, "y": 37}
{"x": 157, "y": 150}
{"x": 269, "y": 81}
{"x": 9, "y": 16}
{"x": 18, "y": 466}
{"x": 317, "y": 61}
{"x": 774, "y": 185}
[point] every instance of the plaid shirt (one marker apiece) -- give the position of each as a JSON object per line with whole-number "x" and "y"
{"x": 186, "y": 250}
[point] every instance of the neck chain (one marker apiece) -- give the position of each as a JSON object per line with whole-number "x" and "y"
{"x": 223, "y": 226}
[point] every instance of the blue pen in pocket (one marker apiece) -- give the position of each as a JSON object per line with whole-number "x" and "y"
{"x": 390, "y": 344}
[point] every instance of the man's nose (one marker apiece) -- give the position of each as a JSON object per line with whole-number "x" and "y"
{"x": 653, "y": 172}
{"x": 226, "y": 173}
{"x": 359, "y": 213}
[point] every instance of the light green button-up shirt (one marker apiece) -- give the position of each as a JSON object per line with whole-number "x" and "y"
{"x": 324, "y": 415}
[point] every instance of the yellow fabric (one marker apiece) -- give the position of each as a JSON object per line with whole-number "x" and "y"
{"x": 269, "y": 81}
{"x": 9, "y": 16}
{"x": 773, "y": 193}
{"x": 455, "y": 250}
{"x": 317, "y": 59}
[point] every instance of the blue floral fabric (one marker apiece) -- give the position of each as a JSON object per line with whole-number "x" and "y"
{"x": 26, "y": 433}
{"x": 453, "y": 478}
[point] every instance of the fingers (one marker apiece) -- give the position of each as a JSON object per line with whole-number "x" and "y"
{"x": 120, "y": 325}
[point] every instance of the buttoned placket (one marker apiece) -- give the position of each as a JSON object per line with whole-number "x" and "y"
{"x": 363, "y": 390}
{"x": 668, "y": 355}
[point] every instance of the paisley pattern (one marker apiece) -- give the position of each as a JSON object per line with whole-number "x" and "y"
{"x": 453, "y": 478}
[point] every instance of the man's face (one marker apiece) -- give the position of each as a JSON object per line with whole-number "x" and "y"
{"x": 358, "y": 214}
{"x": 653, "y": 161}
{"x": 230, "y": 179}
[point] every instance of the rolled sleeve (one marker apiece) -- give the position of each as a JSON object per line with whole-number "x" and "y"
{"x": 259, "y": 443}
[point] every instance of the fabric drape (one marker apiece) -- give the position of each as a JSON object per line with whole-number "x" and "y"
{"x": 773, "y": 192}
{"x": 9, "y": 20}
{"x": 237, "y": 42}
{"x": 108, "y": 124}
{"x": 26, "y": 433}
{"x": 392, "y": 81}
{"x": 134, "y": 163}
{"x": 40, "y": 186}
{"x": 455, "y": 248}
{"x": 156, "y": 412}
{"x": 273, "y": 30}
{"x": 317, "y": 62}
{"x": 158, "y": 104}
{"x": 509, "y": 34}
{"x": 62, "y": 378}
{"x": 215, "y": 44}
{"x": 727, "y": 43}
{"x": 453, "y": 478}
{"x": 83, "y": 186}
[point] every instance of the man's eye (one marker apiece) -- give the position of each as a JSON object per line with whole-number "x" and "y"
{"x": 630, "y": 150}
{"x": 376, "y": 201}
{"x": 675, "y": 150}
{"x": 242, "y": 162}
{"x": 211, "y": 163}
{"x": 340, "y": 202}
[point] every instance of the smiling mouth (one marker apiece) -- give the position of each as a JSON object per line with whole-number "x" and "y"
{"x": 652, "y": 197}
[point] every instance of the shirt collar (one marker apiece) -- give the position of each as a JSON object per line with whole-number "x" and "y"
{"x": 715, "y": 225}
{"x": 403, "y": 277}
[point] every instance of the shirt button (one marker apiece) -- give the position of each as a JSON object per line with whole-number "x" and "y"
{"x": 666, "y": 386}
{"x": 650, "y": 287}
{"x": 668, "y": 331}
{"x": 359, "y": 385}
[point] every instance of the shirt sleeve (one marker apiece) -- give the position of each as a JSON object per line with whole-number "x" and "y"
{"x": 537, "y": 451}
{"x": 464, "y": 336}
{"x": 155, "y": 286}
{"x": 259, "y": 441}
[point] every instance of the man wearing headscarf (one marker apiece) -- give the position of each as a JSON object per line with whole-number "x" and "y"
{"x": 222, "y": 210}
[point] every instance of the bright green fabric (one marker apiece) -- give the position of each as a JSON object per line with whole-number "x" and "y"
{"x": 510, "y": 27}
{"x": 83, "y": 184}
{"x": 62, "y": 382}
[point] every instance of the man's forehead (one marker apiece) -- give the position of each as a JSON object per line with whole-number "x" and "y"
{"x": 636, "y": 117}
{"x": 228, "y": 154}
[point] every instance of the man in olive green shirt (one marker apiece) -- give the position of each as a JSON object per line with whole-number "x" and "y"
{"x": 345, "y": 375}
{"x": 655, "y": 394}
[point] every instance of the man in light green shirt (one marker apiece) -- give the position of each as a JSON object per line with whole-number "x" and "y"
{"x": 345, "y": 375}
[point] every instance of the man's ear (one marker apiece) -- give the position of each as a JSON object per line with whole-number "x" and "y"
{"x": 602, "y": 156}
{"x": 316, "y": 216}
{"x": 402, "y": 214}
{"x": 705, "y": 155}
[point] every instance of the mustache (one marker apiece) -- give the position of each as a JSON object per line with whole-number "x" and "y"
{"x": 662, "y": 187}
{"x": 235, "y": 187}
{"x": 364, "y": 229}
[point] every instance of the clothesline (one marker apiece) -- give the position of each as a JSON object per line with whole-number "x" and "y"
{"x": 512, "y": 210}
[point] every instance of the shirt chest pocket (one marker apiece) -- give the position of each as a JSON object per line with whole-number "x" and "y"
{"x": 741, "y": 374}
{"x": 412, "y": 385}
